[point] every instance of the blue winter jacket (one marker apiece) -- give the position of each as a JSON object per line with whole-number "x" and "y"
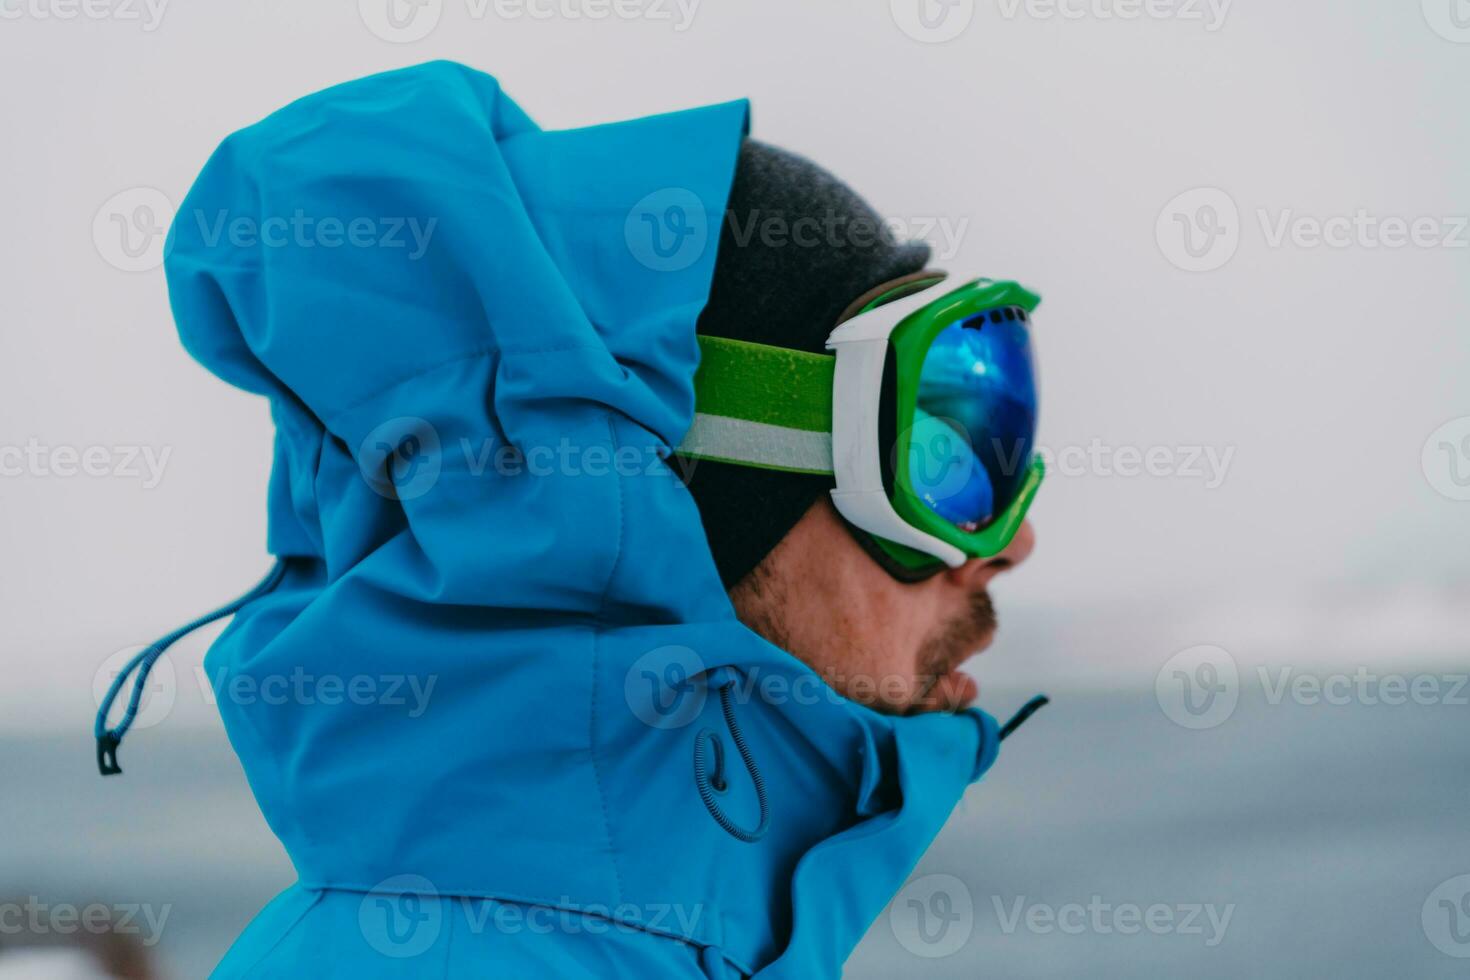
{"x": 522, "y": 733}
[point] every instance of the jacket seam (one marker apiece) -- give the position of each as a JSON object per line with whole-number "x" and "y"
{"x": 255, "y": 963}
{"x": 449, "y": 939}
{"x": 592, "y": 706}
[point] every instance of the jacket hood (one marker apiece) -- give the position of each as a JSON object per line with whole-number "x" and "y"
{"x": 504, "y": 664}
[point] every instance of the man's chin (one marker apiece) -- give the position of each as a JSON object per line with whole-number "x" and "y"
{"x": 954, "y": 691}
{"x": 947, "y": 686}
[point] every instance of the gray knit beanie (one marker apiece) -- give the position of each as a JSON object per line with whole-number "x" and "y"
{"x": 797, "y": 247}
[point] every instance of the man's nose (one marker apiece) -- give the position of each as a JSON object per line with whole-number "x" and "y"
{"x": 975, "y": 573}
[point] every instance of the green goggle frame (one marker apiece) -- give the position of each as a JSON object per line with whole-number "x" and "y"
{"x": 773, "y": 408}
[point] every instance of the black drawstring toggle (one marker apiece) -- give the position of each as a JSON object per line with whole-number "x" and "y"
{"x": 1027, "y": 710}
{"x": 107, "y": 754}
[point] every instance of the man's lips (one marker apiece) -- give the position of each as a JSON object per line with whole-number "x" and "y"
{"x": 955, "y": 691}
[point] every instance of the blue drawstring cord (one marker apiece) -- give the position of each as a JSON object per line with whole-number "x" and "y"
{"x": 1019, "y": 718}
{"x": 710, "y": 785}
{"x": 108, "y": 739}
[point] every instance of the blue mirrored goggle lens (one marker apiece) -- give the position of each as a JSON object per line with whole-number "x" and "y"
{"x": 975, "y": 421}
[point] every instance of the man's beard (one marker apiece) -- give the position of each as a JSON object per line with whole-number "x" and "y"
{"x": 952, "y": 644}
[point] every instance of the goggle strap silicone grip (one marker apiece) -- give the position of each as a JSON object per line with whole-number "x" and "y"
{"x": 764, "y": 406}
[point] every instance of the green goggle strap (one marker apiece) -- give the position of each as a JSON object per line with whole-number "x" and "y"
{"x": 762, "y": 406}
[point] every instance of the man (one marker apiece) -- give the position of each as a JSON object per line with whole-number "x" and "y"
{"x": 526, "y": 731}
{"x": 799, "y": 574}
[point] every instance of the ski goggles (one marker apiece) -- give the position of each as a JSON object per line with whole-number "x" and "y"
{"x": 924, "y": 415}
